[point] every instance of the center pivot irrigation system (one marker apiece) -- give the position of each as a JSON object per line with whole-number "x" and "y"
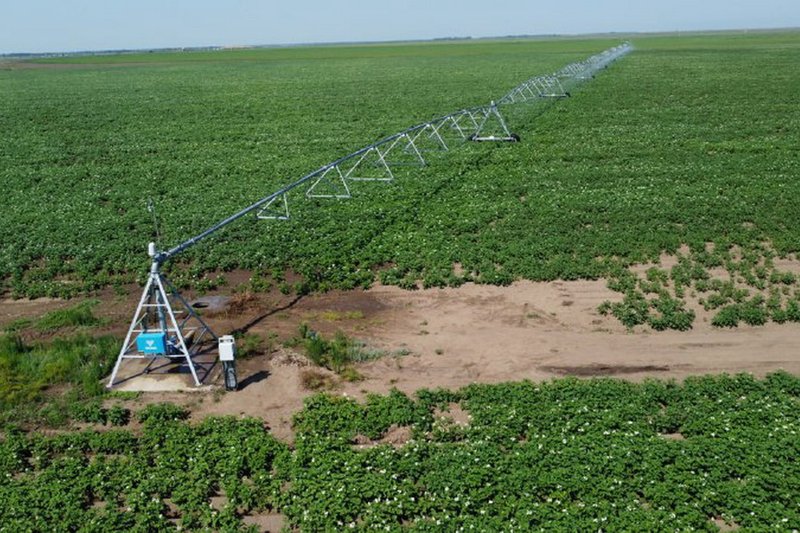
{"x": 166, "y": 328}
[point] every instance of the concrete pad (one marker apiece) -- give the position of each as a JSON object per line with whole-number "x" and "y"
{"x": 163, "y": 383}
{"x": 166, "y": 376}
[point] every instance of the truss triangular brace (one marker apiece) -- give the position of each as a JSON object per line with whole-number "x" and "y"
{"x": 428, "y": 139}
{"x": 370, "y": 165}
{"x": 549, "y": 87}
{"x": 276, "y": 209}
{"x": 493, "y": 127}
{"x": 466, "y": 122}
{"x": 166, "y": 331}
{"x": 329, "y": 184}
{"x": 403, "y": 152}
{"x": 452, "y": 127}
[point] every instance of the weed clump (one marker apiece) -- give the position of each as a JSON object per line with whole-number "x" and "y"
{"x": 78, "y": 315}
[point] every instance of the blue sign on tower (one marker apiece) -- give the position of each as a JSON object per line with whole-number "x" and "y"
{"x": 152, "y": 343}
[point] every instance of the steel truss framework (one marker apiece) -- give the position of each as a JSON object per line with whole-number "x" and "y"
{"x": 161, "y": 308}
{"x": 157, "y": 307}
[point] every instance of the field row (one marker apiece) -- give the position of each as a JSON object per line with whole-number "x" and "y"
{"x": 567, "y": 455}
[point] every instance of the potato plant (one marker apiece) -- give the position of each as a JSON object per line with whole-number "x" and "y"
{"x": 562, "y": 455}
{"x": 682, "y": 142}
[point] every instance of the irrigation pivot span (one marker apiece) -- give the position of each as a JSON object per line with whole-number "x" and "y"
{"x": 166, "y": 328}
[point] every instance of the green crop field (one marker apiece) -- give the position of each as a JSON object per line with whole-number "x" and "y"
{"x": 567, "y": 455}
{"x": 689, "y": 140}
{"x": 688, "y": 146}
{"x": 206, "y": 134}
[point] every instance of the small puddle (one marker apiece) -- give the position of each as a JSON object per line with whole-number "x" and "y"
{"x": 211, "y": 303}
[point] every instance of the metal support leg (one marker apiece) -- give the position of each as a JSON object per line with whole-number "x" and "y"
{"x": 155, "y": 313}
{"x": 493, "y": 112}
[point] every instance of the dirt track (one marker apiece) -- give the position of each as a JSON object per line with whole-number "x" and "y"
{"x": 454, "y": 337}
{"x": 492, "y": 334}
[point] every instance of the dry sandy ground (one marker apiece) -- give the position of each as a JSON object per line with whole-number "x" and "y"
{"x": 454, "y": 337}
{"x": 489, "y": 334}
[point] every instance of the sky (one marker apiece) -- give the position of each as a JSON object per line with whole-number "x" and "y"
{"x": 39, "y": 26}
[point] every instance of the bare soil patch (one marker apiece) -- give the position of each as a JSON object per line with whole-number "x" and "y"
{"x": 452, "y": 337}
{"x": 455, "y": 413}
{"x": 218, "y": 502}
{"x": 266, "y": 523}
{"x": 725, "y": 526}
{"x": 396, "y": 436}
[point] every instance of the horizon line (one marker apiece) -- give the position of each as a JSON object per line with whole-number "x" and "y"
{"x": 216, "y": 47}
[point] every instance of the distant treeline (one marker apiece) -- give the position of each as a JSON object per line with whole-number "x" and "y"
{"x": 26, "y": 55}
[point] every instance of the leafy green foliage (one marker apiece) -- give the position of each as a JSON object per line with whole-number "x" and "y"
{"x": 664, "y": 312}
{"x": 78, "y": 315}
{"x": 677, "y": 143}
{"x": 567, "y": 455}
{"x": 92, "y": 412}
{"x": 563, "y": 455}
{"x": 338, "y": 353}
{"x": 728, "y": 317}
{"x": 118, "y": 415}
{"x": 754, "y": 293}
{"x": 248, "y": 345}
{"x": 162, "y": 412}
{"x": 74, "y": 365}
{"x": 27, "y": 370}
{"x": 117, "y": 481}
